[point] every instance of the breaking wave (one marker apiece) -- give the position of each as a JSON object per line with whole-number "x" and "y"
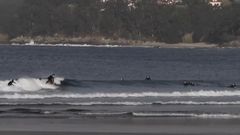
{"x": 127, "y": 103}
{"x": 89, "y": 113}
{"x": 28, "y": 84}
{"x": 201, "y": 93}
{"x": 197, "y": 103}
{"x": 193, "y": 115}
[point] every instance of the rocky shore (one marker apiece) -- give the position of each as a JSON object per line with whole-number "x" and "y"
{"x": 103, "y": 41}
{"x": 99, "y": 40}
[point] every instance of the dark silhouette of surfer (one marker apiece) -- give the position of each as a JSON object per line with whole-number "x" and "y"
{"x": 11, "y": 82}
{"x": 234, "y": 85}
{"x": 50, "y": 79}
{"x": 188, "y": 83}
{"x": 148, "y": 78}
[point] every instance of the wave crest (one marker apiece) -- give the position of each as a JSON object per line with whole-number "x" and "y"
{"x": 118, "y": 95}
{"x": 28, "y": 84}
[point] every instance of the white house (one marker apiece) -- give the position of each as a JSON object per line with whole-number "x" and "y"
{"x": 215, "y": 3}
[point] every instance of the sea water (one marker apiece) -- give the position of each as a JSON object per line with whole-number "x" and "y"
{"x": 110, "y": 82}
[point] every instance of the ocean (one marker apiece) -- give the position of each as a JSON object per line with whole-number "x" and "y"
{"x": 105, "y": 82}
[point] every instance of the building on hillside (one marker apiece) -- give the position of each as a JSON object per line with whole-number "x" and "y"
{"x": 215, "y": 3}
{"x": 169, "y": 2}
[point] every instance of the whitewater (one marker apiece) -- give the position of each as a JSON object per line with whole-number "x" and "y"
{"x": 200, "y": 93}
{"x": 28, "y": 84}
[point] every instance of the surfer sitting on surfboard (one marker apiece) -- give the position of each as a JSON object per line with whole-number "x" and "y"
{"x": 148, "y": 78}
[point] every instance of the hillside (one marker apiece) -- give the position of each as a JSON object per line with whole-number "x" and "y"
{"x": 114, "y": 20}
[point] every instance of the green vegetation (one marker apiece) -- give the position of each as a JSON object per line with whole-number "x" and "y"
{"x": 145, "y": 20}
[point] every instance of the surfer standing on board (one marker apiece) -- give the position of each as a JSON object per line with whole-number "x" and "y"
{"x": 50, "y": 79}
{"x": 11, "y": 82}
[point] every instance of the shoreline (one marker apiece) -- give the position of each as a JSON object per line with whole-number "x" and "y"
{"x": 100, "y": 41}
{"x": 146, "y": 45}
{"x": 163, "y": 45}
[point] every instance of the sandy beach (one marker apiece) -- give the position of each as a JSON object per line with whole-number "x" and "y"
{"x": 118, "y": 126}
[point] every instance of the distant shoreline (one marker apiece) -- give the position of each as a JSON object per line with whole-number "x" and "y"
{"x": 98, "y": 41}
{"x": 160, "y": 45}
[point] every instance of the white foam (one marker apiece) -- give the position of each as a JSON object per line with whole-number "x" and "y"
{"x": 129, "y": 103}
{"x": 28, "y": 84}
{"x": 197, "y": 103}
{"x": 103, "y": 113}
{"x": 200, "y": 93}
{"x": 32, "y": 43}
{"x": 203, "y": 115}
{"x": 83, "y": 103}
{"x": 111, "y": 103}
{"x": 162, "y": 114}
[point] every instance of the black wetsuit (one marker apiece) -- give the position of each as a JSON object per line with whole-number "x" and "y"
{"x": 10, "y": 83}
{"x": 148, "y": 78}
{"x": 187, "y": 83}
{"x": 233, "y": 85}
{"x": 50, "y": 79}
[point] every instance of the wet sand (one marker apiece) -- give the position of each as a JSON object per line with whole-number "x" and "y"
{"x": 119, "y": 126}
{"x": 87, "y": 133}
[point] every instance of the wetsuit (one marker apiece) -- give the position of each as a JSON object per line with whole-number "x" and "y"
{"x": 11, "y": 83}
{"x": 50, "y": 79}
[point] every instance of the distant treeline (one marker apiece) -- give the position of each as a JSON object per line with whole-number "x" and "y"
{"x": 190, "y": 21}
